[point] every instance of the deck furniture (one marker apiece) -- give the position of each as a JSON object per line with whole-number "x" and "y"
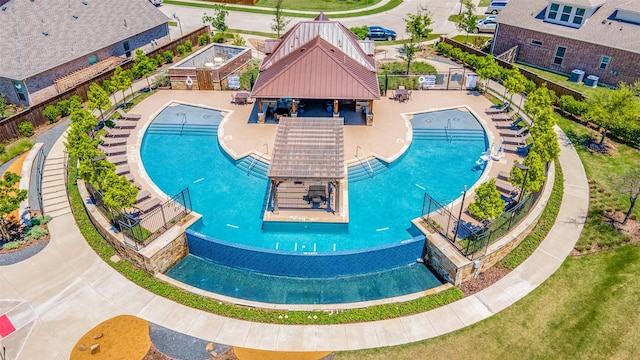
{"x": 127, "y": 116}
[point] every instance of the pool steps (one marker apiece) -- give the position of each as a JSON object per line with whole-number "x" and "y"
{"x": 183, "y": 129}
{"x": 448, "y": 134}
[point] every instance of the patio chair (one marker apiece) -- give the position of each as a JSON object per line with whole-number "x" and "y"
{"x": 512, "y": 126}
{"x": 517, "y": 140}
{"x": 122, "y": 169}
{"x": 148, "y": 205}
{"x": 505, "y": 187}
{"x": 118, "y": 160}
{"x": 113, "y": 141}
{"x": 122, "y": 125}
{"x": 127, "y": 116}
{"x": 113, "y": 150}
{"x": 498, "y": 109}
{"x": 515, "y": 133}
{"x": 142, "y": 196}
{"x": 117, "y": 132}
{"x": 503, "y": 175}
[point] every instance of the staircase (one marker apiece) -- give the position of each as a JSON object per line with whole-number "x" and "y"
{"x": 254, "y": 167}
{"x": 183, "y": 129}
{"x": 362, "y": 171}
{"x": 448, "y": 134}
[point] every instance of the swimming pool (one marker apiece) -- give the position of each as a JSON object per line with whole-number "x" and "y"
{"x": 381, "y": 207}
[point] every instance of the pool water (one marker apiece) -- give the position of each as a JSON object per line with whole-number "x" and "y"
{"x": 381, "y": 207}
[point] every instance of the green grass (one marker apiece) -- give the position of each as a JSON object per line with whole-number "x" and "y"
{"x": 603, "y": 172}
{"x": 484, "y": 3}
{"x": 586, "y": 310}
{"x": 15, "y": 149}
{"x": 564, "y": 81}
{"x": 455, "y": 17}
{"x": 256, "y": 33}
{"x": 386, "y": 7}
{"x": 147, "y": 281}
{"x": 325, "y": 5}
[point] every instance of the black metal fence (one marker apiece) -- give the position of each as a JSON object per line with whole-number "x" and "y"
{"x": 472, "y": 240}
{"x": 454, "y": 79}
{"x": 39, "y": 162}
{"x": 140, "y": 229}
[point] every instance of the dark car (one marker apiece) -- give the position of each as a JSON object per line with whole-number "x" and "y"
{"x": 380, "y": 33}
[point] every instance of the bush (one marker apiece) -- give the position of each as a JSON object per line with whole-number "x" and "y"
{"x": 51, "y": 113}
{"x": 569, "y": 104}
{"x": 12, "y": 245}
{"x": 75, "y": 101}
{"x": 159, "y": 60}
{"x": 162, "y": 80}
{"x": 238, "y": 40}
{"x": 25, "y": 128}
{"x": 457, "y": 54}
{"x": 168, "y": 56}
{"x": 64, "y": 107}
{"x": 218, "y": 38}
{"x": 472, "y": 60}
{"x": 181, "y": 49}
{"x": 36, "y": 232}
{"x": 204, "y": 39}
{"x": 444, "y": 48}
{"x": 1, "y": 148}
{"x": 188, "y": 45}
{"x": 41, "y": 219}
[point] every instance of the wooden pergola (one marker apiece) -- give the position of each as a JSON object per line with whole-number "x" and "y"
{"x": 310, "y": 151}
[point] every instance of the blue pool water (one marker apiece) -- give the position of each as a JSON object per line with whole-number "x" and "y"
{"x": 381, "y": 207}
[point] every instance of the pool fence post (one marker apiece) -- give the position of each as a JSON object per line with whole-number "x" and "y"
{"x": 464, "y": 194}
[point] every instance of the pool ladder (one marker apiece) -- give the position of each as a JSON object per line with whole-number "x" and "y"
{"x": 260, "y": 156}
{"x": 365, "y": 159}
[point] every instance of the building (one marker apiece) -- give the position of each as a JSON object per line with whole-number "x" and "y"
{"x": 318, "y": 61}
{"x": 599, "y": 37}
{"x": 45, "y": 41}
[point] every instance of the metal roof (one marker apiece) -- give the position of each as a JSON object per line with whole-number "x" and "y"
{"x": 317, "y": 70}
{"x": 308, "y": 149}
{"x": 601, "y": 28}
{"x": 74, "y": 28}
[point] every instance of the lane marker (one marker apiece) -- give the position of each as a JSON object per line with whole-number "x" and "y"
{"x": 197, "y": 181}
{"x": 421, "y": 187}
{"x": 382, "y": 229}
{"x": 233, "y": 226}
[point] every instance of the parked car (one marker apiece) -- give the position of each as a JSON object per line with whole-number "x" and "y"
{"x": 496, "y": 6}
{"x": 156, "y": 2}
{"x": 486, "y": 25}
{"x": 380, "y": 33}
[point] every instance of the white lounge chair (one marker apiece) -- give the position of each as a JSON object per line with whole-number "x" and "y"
{"x": 113, "y": 150}
{"x": 113, "y": 141}
{"x": 117, "y": 132}
{"x": 498, "y": 109}
{"x": 127, "y": 116}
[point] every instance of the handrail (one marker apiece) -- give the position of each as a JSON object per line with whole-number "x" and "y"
{"x": 260, "y": 156}
{"x": 446, "y": 132}
{"x": 367, "y": 160}
{"x": 184, "y": 121}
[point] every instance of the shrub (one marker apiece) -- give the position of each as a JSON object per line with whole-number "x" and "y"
{"x": 569, "y": 104}
{"x": 457, "y": 54}
{"x": 75, "y": 101}
{"x": 444, "y": 48}
{"x": 238, "y": 40}
{"x": 181, "y": 49}
{"x": 472, "y": 60}
{"x": 64, "y": 107}
{"x": 25, "y": 128}
{"x": 12, "y": 245}
{"x": 162, "y": 80}
{"x": 36, "y": 232}
{"x": 218, "y": 37}
{"x": 204, "y": 39}
{"x": 41, "y": 219}
{"x": 1, "y": 148}
{"x": 188, "y": 45}
{"x": 168, "y": 56}
{"x": 159, "y": 60}
{"x": 51, "y": 113}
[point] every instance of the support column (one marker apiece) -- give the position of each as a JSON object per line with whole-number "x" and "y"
{"x": 274, "y": 191}
{"x": 337, "y": 199}
{"x": 294, "y": 113}
{"x": 336, "y": 112}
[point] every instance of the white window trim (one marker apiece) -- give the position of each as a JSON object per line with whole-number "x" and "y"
{"x": 606, "y": 65}
{"x": 560, "y": 12}
{"x": 555, "y": 55}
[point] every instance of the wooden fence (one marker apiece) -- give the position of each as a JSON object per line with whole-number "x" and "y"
{"x": 538, "y": 80}
{"x": 9, "y": 126}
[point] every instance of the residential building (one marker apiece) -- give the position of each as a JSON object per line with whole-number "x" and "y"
{"x": 599, "y": 37}
{"x": 44, "y": 41}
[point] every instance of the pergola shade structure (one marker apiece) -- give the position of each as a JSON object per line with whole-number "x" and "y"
{"x": 309, "y": 151}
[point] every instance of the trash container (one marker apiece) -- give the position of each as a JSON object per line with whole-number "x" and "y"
{"x": 591, "y": 81}
{"x": 576, "y": 76}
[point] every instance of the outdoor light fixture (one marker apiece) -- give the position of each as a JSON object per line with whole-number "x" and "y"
{"x": 524, "y": 180}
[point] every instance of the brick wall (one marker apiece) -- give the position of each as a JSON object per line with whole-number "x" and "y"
{"x": 579, "y": 55}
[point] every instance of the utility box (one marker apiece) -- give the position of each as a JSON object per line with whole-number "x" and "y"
{"x": 576, "y": 76}
{"x": 592, "y": 81}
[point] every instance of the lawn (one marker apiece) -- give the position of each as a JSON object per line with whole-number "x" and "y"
{"x": 564, "y": 80}
{"x": 324, "y": 5}
{"x": 587, "y": 310}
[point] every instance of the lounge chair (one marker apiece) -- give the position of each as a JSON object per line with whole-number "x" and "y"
{"x": 522, "y": 149}
{"x": 130, "y": 178}
{"x": 124, "y": 125}
{"x": 148, "y": 205}
{"x": 503, "y": 175}
{"x": 517, "y": 140}
{"x": 122, "y": 169}
{"x": 129, "y": 117}
{"x": 113, "y": 141}
{"x": 118, "y": 160}
{"x": 117, "y": 132}
{"x": 113, "y": 150}
{"x": 516, "y": 133}
{"x": 498, "y": 109}
{"x": 512, "y": 126}
{"x": 142, "y": 196}
{"x": 504, "y": 187}
{"x": 504, "y": 117}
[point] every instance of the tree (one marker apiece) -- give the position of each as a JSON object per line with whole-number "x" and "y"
{"x": 3, "y": 105}
{"x": 409, "y": 50}
{"x": 10, "y": 199}
{"x": 514, "y": 83}
{"x": 467, "y": 20}
{"x": 487, "y": 68}
{"x": 110, "y": 88}
{"x": 630, "y": 185}
{"x": 360, "y": 31}
{"x": 98, "y": 99}
{"x": 545, "y": 144}
{"x": 613, "y": 108}
{"x": 117, "y": 192}
{"x": 121, "y": 80}
{"x": 143, "y": 66}
{"x": 487, "y": 203}
{"x": 218, "y": 20}
{"x": 535, "y": 174}
{"x": 418, "y": 25}
{"x": 279, "y": 21}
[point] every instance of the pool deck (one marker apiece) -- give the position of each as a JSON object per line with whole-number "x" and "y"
{"x": 56, "y": 296}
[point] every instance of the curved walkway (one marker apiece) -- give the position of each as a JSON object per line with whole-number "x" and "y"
{"x": 66, "y": 289}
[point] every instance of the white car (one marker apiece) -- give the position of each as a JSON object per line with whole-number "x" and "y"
{"x": 487, "y": 24}
{"x": 156, "y": 2}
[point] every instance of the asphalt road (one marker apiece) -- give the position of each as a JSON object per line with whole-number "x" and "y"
{"x": 191, "y": 17}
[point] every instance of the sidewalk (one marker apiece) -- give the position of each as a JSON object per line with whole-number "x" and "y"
{"x": 66, "y": 289}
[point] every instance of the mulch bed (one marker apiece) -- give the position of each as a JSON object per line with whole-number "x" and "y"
{"x": 484, "y": 280}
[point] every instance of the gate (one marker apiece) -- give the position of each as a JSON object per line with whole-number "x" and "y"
{"x": 204, "y": 79}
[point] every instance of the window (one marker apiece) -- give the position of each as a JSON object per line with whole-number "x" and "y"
{"x": 579, "y": 16}
{"x": 604, "y": 62}
{"x": 557, "y": 59}
{"x": 19, "y": 90}
{"x": 566, "y": 13}
{"x": 93, "y": 59}
{"x": 553, "y": 11}
{"x": 536, "y": 43}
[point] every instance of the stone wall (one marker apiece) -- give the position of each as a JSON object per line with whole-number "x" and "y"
{"x": 444, "y": 259}
{"x": 585, "y": 56}
{"x": 158, "y": 256}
